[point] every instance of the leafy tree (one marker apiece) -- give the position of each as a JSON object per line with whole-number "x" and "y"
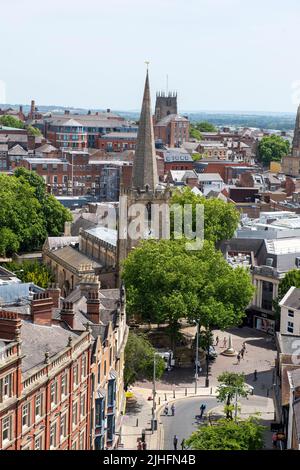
{"x": 291, "y": 279}
{"x": 197, "y": 156}
{"x": 27, "y": 212}
{"x": 195, "y": 133}
{"x": 231, "y": 387}
{"x": 205, "y": 126}
{"x": 221, "y": 219}
{"x": 272, "y": 148}
{"x": 165, "y": 282}
{"x": 11, "y": 121}
{"x": 34, "y": 131}
{"x": 139, "y": 360}
{"x": 34, "y": 272}
{"x": 228, "y": 435}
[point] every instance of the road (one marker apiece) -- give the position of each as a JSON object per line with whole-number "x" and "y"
{"x": 184, "y": 423}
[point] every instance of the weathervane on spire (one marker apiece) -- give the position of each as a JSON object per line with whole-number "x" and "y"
{"x": 147, "y": 63}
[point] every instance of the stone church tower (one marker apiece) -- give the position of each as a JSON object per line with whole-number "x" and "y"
{"x": 145, "y": 189}
{"x": 165, "y": 104}
{"x": 296, "y": 141}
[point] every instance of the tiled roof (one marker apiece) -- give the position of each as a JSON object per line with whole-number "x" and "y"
{"x": 74, "y": 258}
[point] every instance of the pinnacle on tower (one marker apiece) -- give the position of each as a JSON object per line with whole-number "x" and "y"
{"x": 145, "y": 166}
{"x": 296, "y": 140}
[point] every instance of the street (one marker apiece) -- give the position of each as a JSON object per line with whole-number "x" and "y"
{"x": 184, "y": 423}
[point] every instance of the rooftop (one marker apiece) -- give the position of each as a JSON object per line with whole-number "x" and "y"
{"x": 103, "y": 233}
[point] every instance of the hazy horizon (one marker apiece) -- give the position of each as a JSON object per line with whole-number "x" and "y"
{"x": 218, "y": 54}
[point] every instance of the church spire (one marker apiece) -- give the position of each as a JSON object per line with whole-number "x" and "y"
{"x": 145, "y": 166}
{"x": 296, "y": 140}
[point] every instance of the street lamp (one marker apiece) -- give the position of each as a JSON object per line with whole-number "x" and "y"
{"x": 207, "y": 332}
{"x": 197, "y": 357}
{"x": 153, "y": 421}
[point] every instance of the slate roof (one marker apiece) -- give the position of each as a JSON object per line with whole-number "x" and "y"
{"x": 38, "y": 339}
{"x": 74, "y": 258}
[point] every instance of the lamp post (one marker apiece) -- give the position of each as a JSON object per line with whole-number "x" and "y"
{"x": 207, "y": 357}
{"x": 154, "y": 394}
{"x": 197, "y": 357}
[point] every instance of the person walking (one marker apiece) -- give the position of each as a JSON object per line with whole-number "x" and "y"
{"x": 175, "y": 442}
{"x": 139, "y": 445}
{"x": 173, "y": 409}
{"x": 182, "y": 444}
{"x": 144, "y": 445}
{"x": 239, "y": 358}
{"x": 242, "y": 353}
{"x": 202, "y": 409}
{"x": 217, "y": 340}
{"x": 166, "y": 410}
{"x": 225, "y": 342}
{"x": 274, "y": 440}
{"x": 255, "y": 375}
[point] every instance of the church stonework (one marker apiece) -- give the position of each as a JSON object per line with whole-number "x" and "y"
{"x": 145, "y": 191}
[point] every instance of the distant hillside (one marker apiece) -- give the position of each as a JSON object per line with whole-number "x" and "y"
{"x": 279, "y": 121}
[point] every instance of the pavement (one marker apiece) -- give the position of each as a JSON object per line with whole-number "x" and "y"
{"x": 178, "y": 387}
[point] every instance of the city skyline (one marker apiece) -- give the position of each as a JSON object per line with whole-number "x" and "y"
{"x": 218, "y": 55}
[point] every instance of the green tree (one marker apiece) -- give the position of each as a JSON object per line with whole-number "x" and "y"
{"x": 27, "y": 212}
{"x": 11, "y": 121}
{"x": 231, "y": 387}
{"x": 205, "y": 126}
{"x": 272, "y": 148}
{"x": 34, "y": 131}
{"x": 165, "y": 282}
{"x": 291, "y": 279}
{"x": 197, "y": 156}
{"x": 195, "y": 133}
{"x": 221, "y": 219}
{"x": 34, "y": 272}
{"x": 139, "y": 360}
{"x": 228, "y": 435}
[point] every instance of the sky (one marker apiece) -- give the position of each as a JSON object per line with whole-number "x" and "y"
{"x": 218, "y": 54}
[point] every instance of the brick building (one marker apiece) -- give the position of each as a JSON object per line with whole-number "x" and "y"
{"x": 61, "y": 370}
{"x": 172, "y": 130}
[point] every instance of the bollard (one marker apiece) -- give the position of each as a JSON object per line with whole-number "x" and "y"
{"x": 137, "y": 422}
{"x": 173, "y": 393}
{"x": 159, "y": 400}
{"x": 186, "y": 392}
{"x": 165, "y": 397}
{"x": 268, "y": 392}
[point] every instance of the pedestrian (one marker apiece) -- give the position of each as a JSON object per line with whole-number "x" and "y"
{"x": 242, "y": 353}
{"x": 217, "y": 340}
{"x": 225, "y": 342}
{"x": 139, "y": 445}
{"x": 182, "y": 444}
{"x": 144, "y": 446}
{"x": 166, "y": 410}
{"x": 202, "y": 409}
{"x": 274, "y": 440}
{"x": 173, "y": 409}
{"x": 239, "y": 357}
{"x": 255, "y": 375}
{"x": 175, "y": 442}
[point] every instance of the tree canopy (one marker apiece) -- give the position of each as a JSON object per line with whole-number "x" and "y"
{"x": 272, "y": 148}
{"x": 11, "y": 121}
{"x": 27, "y": 212}
{"x": 195, "y": 133}
{"x": 205, "y": 126}
{"x": 165, "y": 282}
{"x": 231, "y": 385}
{"x": 221, "y": 219}
{"x": 228, "y": 435}
{"x": 139, "y": 359}
{"x": 34, "y": 272}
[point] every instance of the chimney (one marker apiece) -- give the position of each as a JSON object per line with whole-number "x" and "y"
{"x": 41, "y": 309}
{"x": 67, "y": 112}
{"x": 55, "y": 294}
{"x": 93, "y": 306}
{"x": 32, "y": 108}
{"x": 10, "y": 325}
{"x": 108, "y": 110}
{"x": 67, "y": 313}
